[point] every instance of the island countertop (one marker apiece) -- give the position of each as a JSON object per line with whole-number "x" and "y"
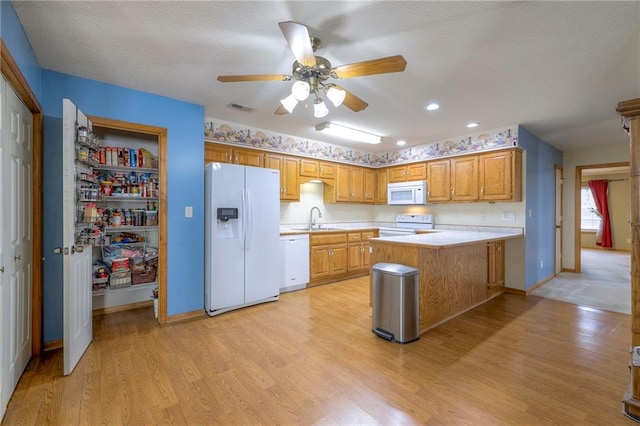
{"x": 440, "y": 239}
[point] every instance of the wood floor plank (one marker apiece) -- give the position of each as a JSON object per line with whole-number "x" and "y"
{"x": 311, "y": 358}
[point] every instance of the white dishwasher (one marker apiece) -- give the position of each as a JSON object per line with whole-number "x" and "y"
{"x": 294, "y": 250}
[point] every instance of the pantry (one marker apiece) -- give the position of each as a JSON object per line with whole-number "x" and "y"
{"x": 118, "y": 205}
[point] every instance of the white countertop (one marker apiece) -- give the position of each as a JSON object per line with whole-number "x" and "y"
{"x": 438, "y": 239}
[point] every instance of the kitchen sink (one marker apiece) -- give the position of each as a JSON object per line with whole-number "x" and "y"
{"x": 322, "y": 228}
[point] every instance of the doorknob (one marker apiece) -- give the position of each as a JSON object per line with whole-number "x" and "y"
{"x": 57, "y": 250}
{"x": 18, "y": 257}
{"x": 77, "y": 249}
{"x": 2, "y": 269}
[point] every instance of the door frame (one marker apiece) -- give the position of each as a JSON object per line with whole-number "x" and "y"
{"x": 577, "y": 203}
{"x": 161, "y": 134}
{"x": 18, "y": 82}
{"x": 558, "y": 208}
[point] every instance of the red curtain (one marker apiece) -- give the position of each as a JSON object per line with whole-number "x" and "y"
{"x": 599, "y": 191}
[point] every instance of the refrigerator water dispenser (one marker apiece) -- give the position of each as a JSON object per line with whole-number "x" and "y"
{"x": 227, "y": 222}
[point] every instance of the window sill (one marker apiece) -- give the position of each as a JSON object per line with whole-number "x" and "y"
{"x": 588, "y": 231}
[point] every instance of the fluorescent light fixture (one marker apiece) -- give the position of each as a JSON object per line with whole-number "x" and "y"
{"x": 300, "y": 90}
{"x": 336, "y": 96}
{"x": 348, "y": 133}
{"x": 432, "y": 106}
{"x": 289, "y": 103}
{"x": 472, "y": 125}
{"x": 319, "y": 108}
{"x": 401, "y": 143}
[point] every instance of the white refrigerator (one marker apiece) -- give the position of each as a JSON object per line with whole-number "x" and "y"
{"x": 242, "y": 236}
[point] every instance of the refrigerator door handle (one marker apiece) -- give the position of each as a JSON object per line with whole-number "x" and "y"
{"x": 248, "y": 230}
{"x": 243, "y": 221}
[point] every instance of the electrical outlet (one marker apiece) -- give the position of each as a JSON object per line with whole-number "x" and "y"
{"x": 509, "y": 216}
{"x": 628, "y": 240}
{"x": 541, "y": 264}
{"x": 483, "y": 216}
{"x": 188, "y": 211}
{"x": 456, "y": 214}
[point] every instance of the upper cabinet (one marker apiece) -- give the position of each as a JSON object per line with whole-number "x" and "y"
{"x": 288, "y": 166}
{"x": 316, "y": 169}
{"x": 381, "y": 186}
{"x": 408, "y": 172}
{"x": 464, "y": 179}
{"x": 219, "y": 153}
{"x": 500, "y": 175}
{"x": 353, "y": 184}
{"x": 494, "y": 176}
{"x": 438, "y": 181}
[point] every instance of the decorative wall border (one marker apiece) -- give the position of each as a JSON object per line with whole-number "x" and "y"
{"x": 237, "y": 134}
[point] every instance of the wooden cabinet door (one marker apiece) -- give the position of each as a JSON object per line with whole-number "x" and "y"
{"x": 366, "y": 255}
{"x": 495, "y": 264}
{"x": 216, "y": 153}
{"x": 381, "y": 186}
{"x": 397, "y": 174}
{"x": 320, "y": 262}
{"x": 289, "y": 179}
{"x": 416, "y": 171}
{"x": 464, "y": 177}
{"x": 308, "y": 168}
{"x": 356, "y": 182}
{"x": 343, "y": 183}
{"x": 370, "y": 187}
{"x": 355, "y": 256}
{"x": 497, "y": 177}
{"x": 339, "y": 258}
{"x": 438, "y": 181}
{"x": 326, "y": 170}
{"x": 273, "y": 161}
{"x": 248, "y": 157}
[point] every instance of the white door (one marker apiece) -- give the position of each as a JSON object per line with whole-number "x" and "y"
{"x": 558, "y": 222}
{"x": 77, "y": 298}
{"x": 16, "y": 239}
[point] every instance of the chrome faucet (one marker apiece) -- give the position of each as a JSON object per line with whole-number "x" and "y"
{"x": 311, "y": 216}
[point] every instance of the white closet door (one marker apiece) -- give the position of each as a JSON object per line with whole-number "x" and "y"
{"x": 77, "y": 298}
{"x": 17, "y": 238}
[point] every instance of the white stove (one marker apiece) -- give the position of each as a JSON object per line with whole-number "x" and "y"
{"x": 408, "y": 224}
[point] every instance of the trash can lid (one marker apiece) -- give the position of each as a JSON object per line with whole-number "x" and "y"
{"x": 395, "y": 269}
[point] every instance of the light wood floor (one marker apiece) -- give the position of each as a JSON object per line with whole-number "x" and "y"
{"x": 312, "y": 358}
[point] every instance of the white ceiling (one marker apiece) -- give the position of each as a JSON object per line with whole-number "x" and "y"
{"x": 557, "y": 68}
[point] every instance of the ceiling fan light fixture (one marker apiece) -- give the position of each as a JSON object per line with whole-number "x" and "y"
{"x": 348, "y": 133}
{"x": 300, "y": 90}
{"x": 289, "y": 103}
{"x": 319, "y": 108}
{"x": 336, "y": 96}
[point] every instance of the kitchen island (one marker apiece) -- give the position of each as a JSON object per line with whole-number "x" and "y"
{"x": 459, "y": 270}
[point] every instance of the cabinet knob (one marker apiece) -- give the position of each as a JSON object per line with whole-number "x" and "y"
{"x": 18, "y": 257}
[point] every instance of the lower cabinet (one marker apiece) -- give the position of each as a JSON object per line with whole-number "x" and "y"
{"x": 338, "y": 255}
{"x": 495, "y": 264}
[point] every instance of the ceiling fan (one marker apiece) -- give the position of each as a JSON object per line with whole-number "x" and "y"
{"x": 311, "y": 73}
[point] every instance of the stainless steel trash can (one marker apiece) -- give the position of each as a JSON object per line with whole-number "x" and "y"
{"x": 396, "y": 302}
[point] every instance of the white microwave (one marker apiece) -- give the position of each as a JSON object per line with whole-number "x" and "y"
{"x": 407, "y": 193}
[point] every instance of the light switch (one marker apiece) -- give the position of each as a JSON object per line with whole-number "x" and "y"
{"x": 188, "y": 211}
{"x": 509, "y": 216}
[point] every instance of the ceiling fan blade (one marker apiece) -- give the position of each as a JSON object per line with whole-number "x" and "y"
{"x": 297, "y": 36}
{"x": 281, "y": 110}
{"x": 351, "y": 101}
{"x": 374, "y": 66}
{"x": 253, "y": 77}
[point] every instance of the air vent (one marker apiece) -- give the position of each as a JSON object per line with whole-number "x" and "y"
{"x": 241, "y": 107}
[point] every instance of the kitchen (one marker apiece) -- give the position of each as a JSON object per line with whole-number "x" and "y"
{"x": 184, "y": 122}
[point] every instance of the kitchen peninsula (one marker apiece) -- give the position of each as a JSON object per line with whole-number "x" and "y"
{"x": 458, "y": 269}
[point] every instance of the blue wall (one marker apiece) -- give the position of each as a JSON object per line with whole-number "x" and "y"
{"x": 185, "y": 157}
{"x": 185, "y": 154}
{"x": 16, "y": 41}
{"x": 541, "y": 159}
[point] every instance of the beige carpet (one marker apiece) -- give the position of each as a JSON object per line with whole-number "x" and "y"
{"x": 605, "y": 282}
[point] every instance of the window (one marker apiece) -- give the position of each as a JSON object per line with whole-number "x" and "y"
{"x": 589, "y": 219}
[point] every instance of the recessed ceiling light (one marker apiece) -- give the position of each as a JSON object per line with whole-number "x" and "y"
{"x": 432, "y": 106}
{"x": 400, "y": 143}
{"x": 472, "y": 125}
